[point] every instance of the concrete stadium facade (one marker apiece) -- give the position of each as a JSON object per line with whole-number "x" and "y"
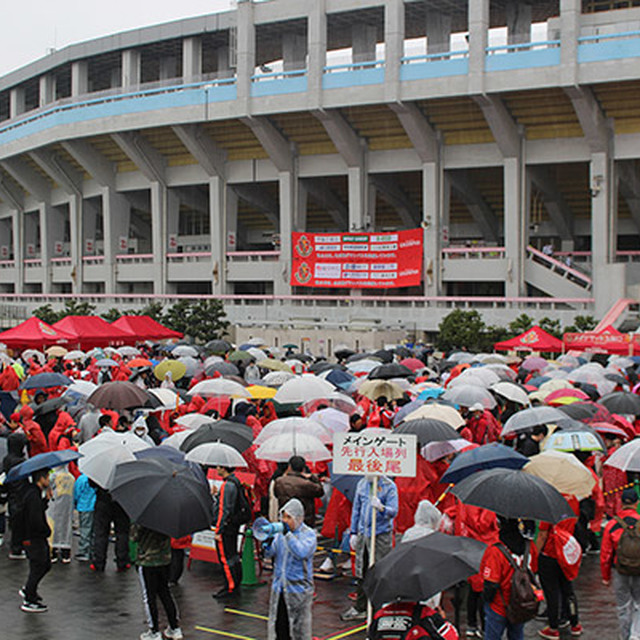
{"x": 176, "y": 160}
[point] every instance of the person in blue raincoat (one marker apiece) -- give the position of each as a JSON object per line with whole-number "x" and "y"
{"x": 292, "y": 587}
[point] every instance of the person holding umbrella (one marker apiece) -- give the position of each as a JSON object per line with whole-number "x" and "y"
{"x": 153, "y": 559}
{"x": 292, "y": 587}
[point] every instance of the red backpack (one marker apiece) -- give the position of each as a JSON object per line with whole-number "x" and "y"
{"x": 567, "y": 551}
{"x": 410, "y": 621}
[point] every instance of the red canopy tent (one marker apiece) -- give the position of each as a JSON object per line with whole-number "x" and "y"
{"x": 92, "y": 331}
{"x": 535, "y": 339}
{"x": 609, "y": 340}
{"x": 34, "y": 333}
{"x": 144, "y": 328}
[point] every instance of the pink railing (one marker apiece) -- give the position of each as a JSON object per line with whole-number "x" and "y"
{"x": 32, "y": 263}
{"x": 92, "y": 259}
{"x": 559, "y": 268}
{"x": 59, "y": 262}
{"x": 252, "y": 256}
{"x": 7, "y": 264}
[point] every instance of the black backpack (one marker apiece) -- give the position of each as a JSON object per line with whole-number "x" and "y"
{"x": 628, "y": 549}
{"x": 523, "y": 602}
{"x": 243, "y": 510}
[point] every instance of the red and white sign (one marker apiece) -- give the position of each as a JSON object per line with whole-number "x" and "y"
{"x": 375, "y": 452}
{"x": 4, "y": 251}
{"x": 357, "y": 260}
{"x": 31, "y": 250}
{"x": 173, "y": 242}
{"x": 123, "y": 243}
{"x": 57, "y": 248}
{"x": 231, "y": 240}
{"x": 89, "y": 246}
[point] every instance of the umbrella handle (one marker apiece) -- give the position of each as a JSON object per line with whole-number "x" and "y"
{"x": 443, "y": 495}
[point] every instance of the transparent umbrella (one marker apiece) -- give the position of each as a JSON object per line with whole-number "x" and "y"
{"x": 281, "y": 447}
{"x": 468, "y": 395}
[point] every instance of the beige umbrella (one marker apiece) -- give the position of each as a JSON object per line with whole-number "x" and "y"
{"x": 437, "y": 412}
{"x": 274, "y": 365}
{"x": 373, "y": 389}
{"x": 563, "y": 471}
{"x": 56, "y": 351}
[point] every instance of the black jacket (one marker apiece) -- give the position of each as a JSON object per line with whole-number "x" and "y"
{"x": 34, "y": 519}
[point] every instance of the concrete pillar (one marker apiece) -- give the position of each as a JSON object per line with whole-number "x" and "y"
{"x": 232, "y": 239}
{"x": 317, "y": 34}
{"x": 294, "y": 52}
{"x": 288, "y": 194}
{"x": 478, "y": 40}
{"x": 18, "y": 248}
{"x": 217, "y": 223}
{"x": 246, "y": 51}
{"x": 222, "y": 63}
{"x": 358, "y": 195}
{"x": 514, "y": 222}
{"x": 16, "y": 102}
{"x": 363, "y": 42}
{"x": 603, "y": 220}
{"x": 300, "y": 218}
{"x": 370, "y": 218}
{"x": 131, "y": 68}
{"x": 432, "y": 180}
{"x": 159, "y": 204}
{"x": 394, "y": 30}
{"x": 173, "y": 214}
{"x": 52, "y": 222}
{"x": 438, "y": 31}
{"x": 116, "y": 213}
{"x": 47, "y": 89}
{"x": 518, "y": 22}
{"x": 75, "y": 252}
{"x": 191, "y": 58}
{"x": 79, "y": 78}
{"x": 570, "y": 16}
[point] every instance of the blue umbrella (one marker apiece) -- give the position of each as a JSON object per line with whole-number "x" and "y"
{"x": 489, "y": 456}
{"x": 405, "y": 410}
{"x": 429, "y": 394}
{"x": 345, "y": 484}
{"x": 41, "y": 461}
{"x": 161, "y": 453}
{"x": 340, "y": 379}
{"x": 538, "y": 380}
{"x": 45, "y": 380}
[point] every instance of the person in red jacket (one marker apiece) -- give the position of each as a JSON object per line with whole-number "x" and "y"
{"x": 63, "y": 422}
{"x": 626, "y": 588}
{"x": 37, "y": 441}
{"x": 613, "y": 479}
{"x": 9, "y": 380}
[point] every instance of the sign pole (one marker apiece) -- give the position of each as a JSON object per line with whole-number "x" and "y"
{"x": 372, "y": 552}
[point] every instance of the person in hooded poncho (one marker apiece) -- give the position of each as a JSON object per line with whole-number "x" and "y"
{"x": 292, "y": 587}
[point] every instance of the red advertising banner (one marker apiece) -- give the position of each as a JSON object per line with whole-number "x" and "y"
{"x": 357, "y": 260}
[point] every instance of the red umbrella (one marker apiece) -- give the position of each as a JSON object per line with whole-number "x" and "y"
{"x": 413, "y": 363}
{"x": 608, "y": 429}
{"x": 566, "y": 393}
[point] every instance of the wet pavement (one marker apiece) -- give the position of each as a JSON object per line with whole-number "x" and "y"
{"x": 87, "y": 606}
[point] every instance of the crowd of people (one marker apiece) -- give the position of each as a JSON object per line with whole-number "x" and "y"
{"x": 46, "y": 405}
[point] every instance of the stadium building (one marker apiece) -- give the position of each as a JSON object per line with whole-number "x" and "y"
{"x": 178, "y": 160}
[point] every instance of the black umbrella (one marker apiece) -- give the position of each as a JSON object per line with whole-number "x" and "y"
{"x": 163, "y": 496}
{"x": 514, "y": 494}
{"x": 385, "y": 356}
{"x": 46, "y": 380}
{"x": 388, "y": 371}
{"x": 236, "y": 435}
{"x": 223, "y": 368}
{"x": 361, "y": 356}
{"x": 419, "y": 569}
{"x": 622, "y": 402}
{"x": 617, "y": 378}
{"x": 218, "y": 346}
{"x": 323, "y": 365}
{"x": 118, "y": 396}
{"x": 303, "y": 357}
{"x": 428, "y": 430}
{"x": 589, "y": 411}
{"x": 48, "y": 406}
{"x": 341, "y": 354}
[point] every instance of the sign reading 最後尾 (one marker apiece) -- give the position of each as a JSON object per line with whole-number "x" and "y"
{"x": 357, "y": 260}
{"x": 375, "y": 453}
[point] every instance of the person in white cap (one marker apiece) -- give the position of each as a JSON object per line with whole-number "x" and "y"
{"x": 292, "y": 587}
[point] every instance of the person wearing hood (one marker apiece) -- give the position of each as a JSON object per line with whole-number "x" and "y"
{"x": 16, "y": 447}
{"x": 37, "y": 441}
{"x": 385, "y": 502}
{"x": 140, "y": 428}
{"x": 292, "y": 586}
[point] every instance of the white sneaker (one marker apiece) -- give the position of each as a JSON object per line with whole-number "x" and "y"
{"x": 173, "y": 634}
{"x": 326, "y": 566}
{"x": 150, "y": 635}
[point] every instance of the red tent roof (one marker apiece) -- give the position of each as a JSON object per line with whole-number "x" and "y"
{"x": 34, "y": 333}
{"x": 92, "y": 331}
{"x": 609, "y": 340}
{"x": 144, "y": 328}
{"x": 535, "y": 339}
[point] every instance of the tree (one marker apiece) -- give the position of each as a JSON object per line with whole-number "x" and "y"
{"x": 581, "y": 324}
{"x": 111, "y": 315}
{"x": 74, "y": 308}
{"x": 461, "y": 329}
{"x": 154, "y": 310}
{"x": 492, "y": 334}
{"x": 202, "y": 320}
{"x": 551, "y": 326}
{"x": 47, "y": 314}
{"x": 521, "y": 324}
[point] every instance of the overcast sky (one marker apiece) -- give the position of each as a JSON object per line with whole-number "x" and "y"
{"x": 30, "y": 28}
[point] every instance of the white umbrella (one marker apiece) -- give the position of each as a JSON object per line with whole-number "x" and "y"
{"x": 212, "y": 360}
{"x": 176, "y": 439}
{"x": 213, "y": 454}
{"x": 490, "y": 358}
{"x": 194, "y": 420}
{"x": 75, "y": 355}
{"x": 436, "y": 450}
{"x": 303, "y": 389}
{"x": 281, "y": 448}
{"x": 333, "y": 419}
{"x": 27, "y": 354}
{"x": 277, "y": 378}
{"x": 101, "y": 466}
{"x": 627, "y": 457}
{"x": 219, "y": 387}
{"x": 481, "y": 376}
{"x": 82, "y": 388}
{"x": 256, "y": 342}
{"x": 184, "y": 350}
{"x": 257, "y": 354}
{"x": 194, "y": 366}
{"x": 294, "y": 425}
{"x": 467, "y": 395}
{"x": 108, "y": 439}
{"x": 363, "y": 366}
{"x": 128, "y": 351}
{"x": 511, "y": 392}
{"x": 169, "y": 398}
{"x": 336, "y": 399}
